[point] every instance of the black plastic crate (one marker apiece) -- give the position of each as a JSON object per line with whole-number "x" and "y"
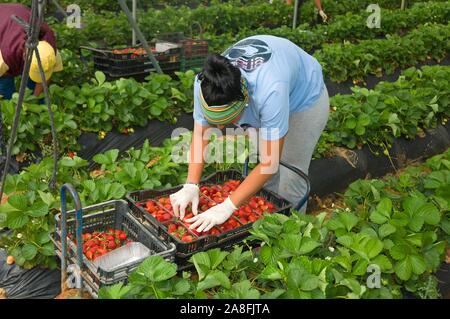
{"x": 174, "y": 37}
{"x": 100, "y": 217}
{"x": 116, "y": 65}
{"x": 193, "y": 51}
{"x": 192, "y": 48}
{"x": 223, "y": 240}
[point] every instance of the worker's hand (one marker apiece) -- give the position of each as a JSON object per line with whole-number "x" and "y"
{"x": 216, "y": 215}
{"x": 323, "y": 15}
{"x": 181, "y": 199}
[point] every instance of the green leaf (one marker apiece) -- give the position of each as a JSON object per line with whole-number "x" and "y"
{"x": 349, "y": 220}
{"x": 270, "y": 272}
{"x": 309, "y": 283}
{"x": 399, "y": 252}
{"x": 383, "y": 262}
{"x": 117, "y": 291}
{"x": 216, "y": 256}
{"x": 181, "y": 287}
{"x": 100, "y": 77}
{"x": 445, "y": 225}
{"x": 399, "y": 219}
{"x": 29, "y": 251}
{"x": 155, "y": 269}
{"x": 430, "y": 213}
{"x": 214, "y": 279}
{"x": 334, "y": 223}
{"x": 360, "y": 130}
{"x": 47, "y": 249}
{"x": 360, "y": 267}
{"x": 38, "y": 209}
{"x": 241, "y": 290}
{"x": 345, "y": 240}
{"x": 373, "y": 246}
{"x": 202, "y": 264}
{"x": 307, "y": 245}
{"x": 155, "y": 111}
{"x": 418, "y": 264}
{"x": 117, "y": 191}
{"x": 16, "y": 220}
{"x": 89, "y": 185}
{"x": 47, "y": 198}
{"x": 67, "y": 162}
{"x": 363, "y": 119}
{"x": 419, "y": 211}
{"x": 268, "y": 254}
{"x": 393, "y": 118}
{"x": 274, "y": 294}
{"x": 43, "y": 237}
{"x": 382, "y": 212}
{"x": 403, "y": 269}
{"x": 101, "y": 159}
{"x": 19, "y": 202}
{"x": 350, "y": 123}
{"x": 386, "y": 230}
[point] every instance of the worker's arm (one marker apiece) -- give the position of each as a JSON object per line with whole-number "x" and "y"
{"x": 270, "y": 157}
{"x": 38, "y": 89}
{"x": 196, "y": 160}
{"x": 190, "y": 192}
{"x": 318, "y": 5}
{"x": 321, "y": 13}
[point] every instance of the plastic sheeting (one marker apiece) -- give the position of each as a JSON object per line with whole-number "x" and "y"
{"x": 36, "y": 283}
{"x": 156, "y": 132}
{"x": 361, "y": 163}
{"x": 371, "y": 80}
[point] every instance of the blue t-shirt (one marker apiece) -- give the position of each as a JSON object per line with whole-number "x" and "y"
{"x": 282, "y": 79}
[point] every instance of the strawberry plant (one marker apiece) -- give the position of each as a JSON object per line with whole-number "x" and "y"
{"x": 376, "y": 117}
{"x": 354, "y": 61}
{"x": 399, "y": 223}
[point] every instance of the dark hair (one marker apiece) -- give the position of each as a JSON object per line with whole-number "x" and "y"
{"x": 221, "y": 80}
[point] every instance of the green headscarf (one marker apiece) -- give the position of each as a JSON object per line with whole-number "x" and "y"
{"x": 224, "y": 114}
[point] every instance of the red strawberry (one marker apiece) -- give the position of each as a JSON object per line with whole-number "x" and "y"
{"x": 172, "y": 228}
{"x": 89, "y": 255}
{"x": 123, "y": 236}
{"x": 214, "y": 231}
{"x": 102, "y": 251}
{"x": 186, "y": 238}
{"x": 112, "y": 245}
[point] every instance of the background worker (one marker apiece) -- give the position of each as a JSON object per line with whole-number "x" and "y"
{"x": 12, "y": 51}
{"x": 318, "y": 5}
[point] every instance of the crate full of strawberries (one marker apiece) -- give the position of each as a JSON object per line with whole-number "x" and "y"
{"x": 154, "y": 209}
{"x": 106, "y": 228}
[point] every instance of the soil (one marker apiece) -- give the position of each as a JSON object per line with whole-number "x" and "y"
{"x": 328, "y": 204}
{"x": 72, "y": 294}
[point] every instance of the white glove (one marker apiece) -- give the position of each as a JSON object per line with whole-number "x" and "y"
{"x": 323, "y": 15}
{"x": 216, "y": 215}
{"x": 181, "y": 199}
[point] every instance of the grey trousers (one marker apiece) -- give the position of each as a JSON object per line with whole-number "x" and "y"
{"x": 304, "y": 132}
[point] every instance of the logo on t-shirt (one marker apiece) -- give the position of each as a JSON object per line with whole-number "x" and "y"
{"x": 249, "y": 54}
